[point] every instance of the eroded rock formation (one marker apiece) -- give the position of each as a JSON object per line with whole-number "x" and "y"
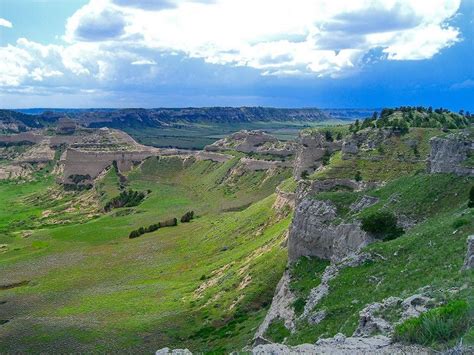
{"x": 253, "y": 142}
{"x": 451, "y": 154}
{"x": 312, "y": 147}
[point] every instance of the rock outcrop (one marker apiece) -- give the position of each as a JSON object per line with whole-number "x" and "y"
{"x": 450, "y": 154}
{"x": 312, "y": 234}
{"x": 281, "y": 308}
{"x": 312, "y": 147}
{"x": 343, "y": 345}
{"x": 168, "y": 351}
{"x": 253, "y": 142}
{"x": 317, "y": 293}
{"x": 372, "y": 321}
{"x": 283, "y": 200}
{"x": 469, "y": 260}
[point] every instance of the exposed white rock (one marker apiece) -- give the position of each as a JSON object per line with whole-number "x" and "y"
{"x": 449, "y": 153}
{"x": 312, "y": 234}
{"x": 281, "y": 308}
{"x": 342, "y": 345}
{"x": 363, "y": 203}
{"x": 331, "y": 271}
{"x": 167, "y": 351}
{"x": 469, "y": 260}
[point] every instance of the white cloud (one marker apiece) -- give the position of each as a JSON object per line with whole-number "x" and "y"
{"x": 143, "y": 62}
{"x": 323, "y": 38}
{"x": 123, "y": 42}
{"x": 5, "y": 23}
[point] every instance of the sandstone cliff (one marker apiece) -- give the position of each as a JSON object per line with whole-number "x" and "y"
{"x": 452, "y": 154}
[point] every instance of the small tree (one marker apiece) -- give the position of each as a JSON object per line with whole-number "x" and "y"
{"x": 358, "y": 176}
{"x": 134, "y": 234}
{"x": 328, "y": 136}
{"x": 382, "y": 225}
{"x": 304, "y": 174}
{"x": 187, "y": 217}
{"x": 326, "y": 158}
{"x": 471, "y": 198}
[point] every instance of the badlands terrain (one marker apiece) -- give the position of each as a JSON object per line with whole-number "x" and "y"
{"x": 349, "y": 237}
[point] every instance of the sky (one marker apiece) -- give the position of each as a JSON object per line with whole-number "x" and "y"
{"x": 281, "y": 53}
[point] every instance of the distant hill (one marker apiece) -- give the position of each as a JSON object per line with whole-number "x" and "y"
{"x": 140, "y": 118}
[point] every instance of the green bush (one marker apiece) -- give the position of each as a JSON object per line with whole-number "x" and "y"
{"x": 436, "y": 326}
{"x": 471, "y": 198}
{"x": 382, "y": 224}
{"x": 277, "y": 331}
{"x": 187, "y": 217}
{"x": 153, "y": 227}
{"x": 134, "y": 234}
{"x": 326, "y": 158}
{"x": 169, "y": 223}
{"x": 128, "y": 198}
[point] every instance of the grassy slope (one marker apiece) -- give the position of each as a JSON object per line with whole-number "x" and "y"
{"x": 392, "y": 159}
{"x": 93, "y": 289}
{"x": 431, "y": 254}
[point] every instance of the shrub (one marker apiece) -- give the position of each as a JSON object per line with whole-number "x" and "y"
{"x": 169, "y": 223}
{"x": 436, "y": 326}
{"x": 153, "y": 227}
{"x": 304, "y": 174}
{"x": 187, "y": 217}
{"x": 134, "y": 234}
{"x": 328, "y": 136}
{"x": 471, "y": 198}
{"x": 358, "y": 176}
{"x": 326, "y": 158}
{"x": 128, "y": 198}
{"x": 277, "y": 331}
{"x": 382, "y": 224}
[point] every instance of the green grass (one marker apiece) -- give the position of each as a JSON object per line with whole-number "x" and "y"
{"x": 393, "y": 159}
{"x": 438, "y": 326}
{"x": 94, "y": 290}
{"x": 305, "y": 275}
{"x": 277, "y": 331}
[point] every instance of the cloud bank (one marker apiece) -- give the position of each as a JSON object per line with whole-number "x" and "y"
{"x": 110, "y": 43}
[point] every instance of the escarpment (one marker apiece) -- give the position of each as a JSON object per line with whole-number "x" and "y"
{"x": 452, "y": 154}
{"x": 314, "y": 233}
{"x": 312, "y": 148}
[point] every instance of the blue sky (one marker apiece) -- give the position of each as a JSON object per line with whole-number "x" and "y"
{"x": 284, "y": 53}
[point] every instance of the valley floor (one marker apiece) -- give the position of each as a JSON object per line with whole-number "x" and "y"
{"x": 86, "y": 287}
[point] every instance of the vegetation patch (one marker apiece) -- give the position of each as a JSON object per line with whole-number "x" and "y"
{"x": 187, "y": 217}
{"x": 277, "y": 332}
{"x": 382, "y": 225}
{"x": 306, "y": 274}
{"x": 128, "y": 198}
{"x": 437, "y": 326}
{"x": 153, "y": 227}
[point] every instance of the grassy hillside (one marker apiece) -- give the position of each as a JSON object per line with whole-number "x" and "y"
{"x": 428, "y": 256}
{"x": 84, "y": 286}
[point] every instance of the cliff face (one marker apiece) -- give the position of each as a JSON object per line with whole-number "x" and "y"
{"x": 450, "y": 155}
{"x": 312, "y": 233}
{"x": 310, "y": 153}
